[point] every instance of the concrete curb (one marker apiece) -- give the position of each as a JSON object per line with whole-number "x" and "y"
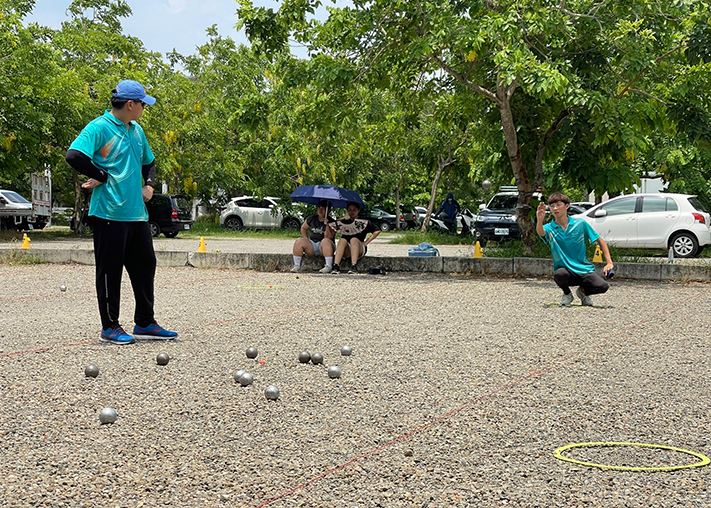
{"x": 519, "y": 267}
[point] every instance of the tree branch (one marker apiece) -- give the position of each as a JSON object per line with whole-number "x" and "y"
{"x": 547, "y": 137}
{"x": 640, "y": 73}
{"x": 478, "y": 89}
{"x": 637, "y": 90}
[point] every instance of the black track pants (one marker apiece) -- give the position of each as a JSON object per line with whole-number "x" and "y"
{"x": 591, "y": 283}
{"x": 119, "y": 244}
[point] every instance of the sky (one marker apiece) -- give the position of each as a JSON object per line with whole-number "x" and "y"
{"x": 164, "y": 25}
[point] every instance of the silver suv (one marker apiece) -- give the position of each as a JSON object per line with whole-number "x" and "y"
{"x": 254, "y": 213}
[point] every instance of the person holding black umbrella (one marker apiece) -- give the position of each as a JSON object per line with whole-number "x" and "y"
{"x": 316, "y": 239}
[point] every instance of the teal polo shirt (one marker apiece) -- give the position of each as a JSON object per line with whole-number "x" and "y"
{"x": 568, "y": 247}
{"x": 122, "y": 153}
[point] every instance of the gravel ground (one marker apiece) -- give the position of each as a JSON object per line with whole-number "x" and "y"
{"x": 458, "y": 392}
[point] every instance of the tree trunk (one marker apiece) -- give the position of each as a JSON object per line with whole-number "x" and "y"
{"x": 78, "y": 211}
{"x": 441, "y": 164}
{"x": 525, "y": 190}
{"x": 397, "y": 207}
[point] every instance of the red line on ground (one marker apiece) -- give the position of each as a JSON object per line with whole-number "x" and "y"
{"x": 531, "y": 374}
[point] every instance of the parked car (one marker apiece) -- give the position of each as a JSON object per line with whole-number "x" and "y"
{"x": 254, "y": 213}
{"x": 384, "y": 220}
{"x": 18, "y": 213}
{"x": 575, "y": 209}
{"x": 585, "y": 205}
{"x": 497, "y": 220}
{"x": 653, "y": 221}
{"x": 169, "y": 214}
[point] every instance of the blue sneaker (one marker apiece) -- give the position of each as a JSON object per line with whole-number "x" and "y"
{"x": 154, "y": 331}
{"x": 117, "y": 335}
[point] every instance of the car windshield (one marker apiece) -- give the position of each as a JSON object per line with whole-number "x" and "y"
{"x": 14, "y": 197}
{"x": 503, "y": 202}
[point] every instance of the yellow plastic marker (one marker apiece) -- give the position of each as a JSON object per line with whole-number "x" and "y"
{"x": 26, "y": 242}
{"x": 477, "y": 251}
{"x": 202, "y": 245}
{"x": 597, "y": 258}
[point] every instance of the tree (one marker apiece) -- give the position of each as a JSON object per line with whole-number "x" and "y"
{"x": 587, "y": 79}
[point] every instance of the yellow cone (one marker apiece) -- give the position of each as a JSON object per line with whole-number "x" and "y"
{"x": 202, "y": 245}
{"x": 26, "y": 242}
{"x": 597, "y": 258}
{"x": 477, "y": 251}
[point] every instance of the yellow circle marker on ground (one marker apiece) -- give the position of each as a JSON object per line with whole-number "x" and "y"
{"x": 559, "y": 455}
{"x": 260, "y": 286}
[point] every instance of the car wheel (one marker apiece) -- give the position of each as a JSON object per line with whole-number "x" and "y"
{"x": 291, "y": 223}
{"x": 385, "y": 226}
{"x": 234, "y": 223}
{"x": 685, "y": 245}
{"x": 155, "y": 229}
{"x": 170, "y": 234}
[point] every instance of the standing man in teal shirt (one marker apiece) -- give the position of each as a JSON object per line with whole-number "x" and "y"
{"x": 566, "y": 237}
{"x": 113, "y": 152}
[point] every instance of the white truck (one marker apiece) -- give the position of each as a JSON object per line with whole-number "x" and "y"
{"x": 18, "y": 213}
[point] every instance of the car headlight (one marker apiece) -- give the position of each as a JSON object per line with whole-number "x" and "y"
{"x": 479, "y": 218}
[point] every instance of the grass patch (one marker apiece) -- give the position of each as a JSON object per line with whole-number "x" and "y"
{"x": 416, "y": 237}
{"x": 53, "y": 233}
{"x": 16, "y": 258}
{"x": 204, "y": 228}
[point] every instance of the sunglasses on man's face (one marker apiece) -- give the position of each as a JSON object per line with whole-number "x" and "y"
{"x": 143, "y": 104}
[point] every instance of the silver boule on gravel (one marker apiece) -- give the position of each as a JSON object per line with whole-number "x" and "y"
{"x": 271, "y": 392}
{"x": 304, "y": 357}
{"x": 162, "y": 359}
{"x": 334, "y": 372}
{"x": 251, "y": 352}
{"x": 238, "y": 375}
{"x": 246, "y": 379}
{"x": 63, "y": 288}
{"x": 317, "y": 358}
{"x": 91, "y": 370}
{"x": 107, "y": 415}
{"x": 346, "y": 350}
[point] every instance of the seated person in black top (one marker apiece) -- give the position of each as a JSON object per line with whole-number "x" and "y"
{"x": 352, "y": 242}
{"x": 316, "y": 240}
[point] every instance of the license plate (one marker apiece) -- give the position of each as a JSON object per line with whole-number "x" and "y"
{"x": 187, "y": 226}
{"x": 501, "y": 231}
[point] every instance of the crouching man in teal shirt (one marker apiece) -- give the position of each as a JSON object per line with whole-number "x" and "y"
{"x": 566, "y": 237}
{"x": 113, "y": 152}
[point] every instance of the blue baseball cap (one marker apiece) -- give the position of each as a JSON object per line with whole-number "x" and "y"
{"x": 132, "y": 90}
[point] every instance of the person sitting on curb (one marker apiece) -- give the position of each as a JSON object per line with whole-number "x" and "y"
{"x": 566, "y": 237}
{"x": 316, "y": 239}
{"x": 352, "y": 242}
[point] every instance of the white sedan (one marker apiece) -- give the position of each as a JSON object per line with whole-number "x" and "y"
{"x": 653, "y": 221}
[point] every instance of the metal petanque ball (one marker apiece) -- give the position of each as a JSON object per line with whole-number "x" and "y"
{"x": 62, "y": 288}
{"x": 246, "y": 379}
{"x": 346, "y": 350}
{"x": 251, "y": 352}
{"x": 271, "y": 393}
{"x": 317, "y": 358}
{"x": 238, "y": 374}
{"x": 304, "y": 357}
{"x": 162, "y": 359}
{"x": 334, "y": 372}
{"x": 91, "y": 370}
{"x": 108, "y": 415}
